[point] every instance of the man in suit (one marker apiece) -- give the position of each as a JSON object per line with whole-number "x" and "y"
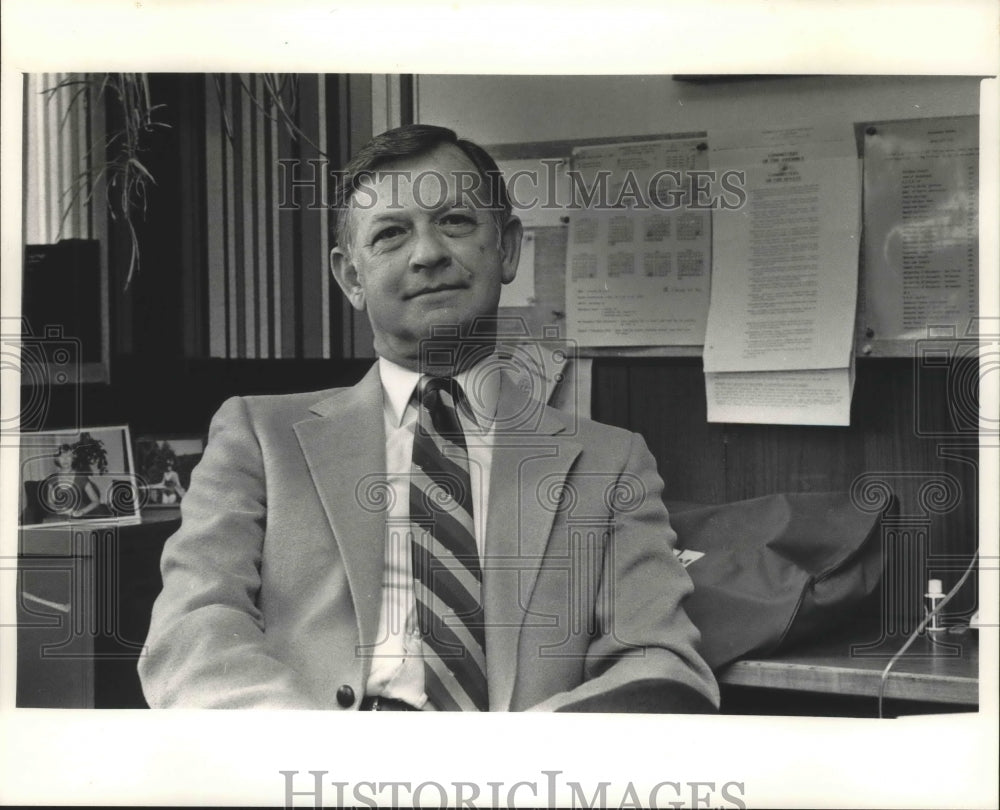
{"x": 434, "y": 537}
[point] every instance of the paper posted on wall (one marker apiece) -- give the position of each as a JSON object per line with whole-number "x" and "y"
{"x": 779, "y": 337}
{"x": 921, "y": 192}
{"x": 521, "y": 291}
{"x": 806, "y": 397}
{"x": 538, "y": 188}
{"x": 638, "y": 256}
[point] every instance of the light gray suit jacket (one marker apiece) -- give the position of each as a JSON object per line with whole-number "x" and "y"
{"x": 272, "y": 586}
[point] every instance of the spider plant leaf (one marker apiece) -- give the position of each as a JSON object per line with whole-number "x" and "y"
{"x": 222, "y": 108}
{"x": 135, "y": 162}
{"x": 70, "y": 105}
{"x": 257, "y": 102}
{"x": 51, "y": 91}
{"x": 133, "y": 264}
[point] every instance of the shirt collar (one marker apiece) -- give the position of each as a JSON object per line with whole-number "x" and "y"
{"x": 398, "y": 384}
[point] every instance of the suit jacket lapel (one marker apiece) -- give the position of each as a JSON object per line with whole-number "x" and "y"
{"x": 345, "y": 453}
{"x": 529, "y": 460}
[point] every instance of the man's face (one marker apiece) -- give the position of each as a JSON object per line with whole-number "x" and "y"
{"x": 422, "y": 254}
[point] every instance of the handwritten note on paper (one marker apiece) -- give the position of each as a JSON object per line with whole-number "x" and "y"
{"x": 784, "y": 279}
{"x": 921, "y": 187}
{"x": 638, "y": 257}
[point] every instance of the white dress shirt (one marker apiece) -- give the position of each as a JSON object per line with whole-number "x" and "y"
{"x": 397, "y": 667}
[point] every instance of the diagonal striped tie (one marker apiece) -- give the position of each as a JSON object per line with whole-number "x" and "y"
{"x": 447, "y": 578}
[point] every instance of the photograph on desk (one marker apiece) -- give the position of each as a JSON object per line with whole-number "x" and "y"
{"x": 163, "y": 468}
{"x": 77, "y": 476}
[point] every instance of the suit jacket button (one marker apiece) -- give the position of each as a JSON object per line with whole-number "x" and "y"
{"x": 345, "y": 696}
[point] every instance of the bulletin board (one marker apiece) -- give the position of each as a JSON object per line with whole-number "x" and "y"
{"x": 918, "y": 262}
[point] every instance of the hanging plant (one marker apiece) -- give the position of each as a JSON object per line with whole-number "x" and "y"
{"x": 124, "y": 176}
{"x": 278, "y": 102}
{"x": 122, "y": 172}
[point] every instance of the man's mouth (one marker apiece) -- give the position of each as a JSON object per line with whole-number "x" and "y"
{"x": 440, "y": 288}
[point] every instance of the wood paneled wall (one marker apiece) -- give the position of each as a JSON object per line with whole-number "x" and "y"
{"x": 909, "y": 436}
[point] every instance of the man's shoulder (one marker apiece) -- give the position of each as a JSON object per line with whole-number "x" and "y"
{"x": 294, "y": 401}
{"x": 286, "y": 407}
{"x": 587, "y": 430}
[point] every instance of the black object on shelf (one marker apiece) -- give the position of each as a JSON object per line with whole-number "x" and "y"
{"x": 62, "y": 289}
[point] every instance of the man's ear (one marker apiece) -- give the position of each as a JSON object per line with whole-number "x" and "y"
{"x": 346, "y": 274}
{"x": 510, "y": 249}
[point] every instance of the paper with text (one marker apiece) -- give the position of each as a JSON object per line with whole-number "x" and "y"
{"x": 638, "y": 256}
{"x": 785, "y": 268}
{"x": 784, "y": 278}
{"x": 521, "y": 291}
{"x": 812, "y": 397}
{"x": 921, "y": 187}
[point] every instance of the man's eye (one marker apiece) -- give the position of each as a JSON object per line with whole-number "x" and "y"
{"x": 458, "y": 224}
{"x": 389, "y": 233}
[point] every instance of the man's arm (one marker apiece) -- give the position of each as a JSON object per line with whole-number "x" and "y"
{"x": 206, "y": 645}
{"x": 645, "y": 660}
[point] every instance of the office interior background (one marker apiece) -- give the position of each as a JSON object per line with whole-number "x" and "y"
{"x": 232, "y": 293}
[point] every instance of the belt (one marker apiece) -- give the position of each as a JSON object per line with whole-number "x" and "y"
{"x": 377, "y": 703}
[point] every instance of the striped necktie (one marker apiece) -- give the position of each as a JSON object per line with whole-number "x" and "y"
{"x": 447, "y": 577}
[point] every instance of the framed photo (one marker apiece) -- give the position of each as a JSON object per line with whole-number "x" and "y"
{"x": 164, "y": 466}
{"x": 77, "y": 476}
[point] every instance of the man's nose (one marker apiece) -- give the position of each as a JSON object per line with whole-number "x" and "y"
{"x": 429, "y": 250}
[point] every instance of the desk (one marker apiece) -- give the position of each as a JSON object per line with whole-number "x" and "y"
{"x": 84, "y": 597}
{"x": 944, "y": 674}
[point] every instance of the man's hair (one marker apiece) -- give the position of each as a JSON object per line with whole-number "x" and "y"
{"x": 411, "y": 141}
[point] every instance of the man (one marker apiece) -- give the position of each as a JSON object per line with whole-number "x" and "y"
{"x": 432, "y": 538}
